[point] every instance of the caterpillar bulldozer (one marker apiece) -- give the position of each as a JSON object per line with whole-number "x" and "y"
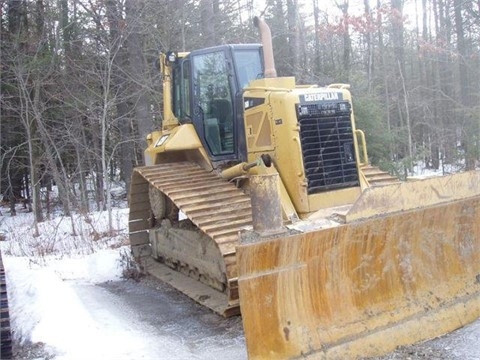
{"x": 257, "y": 195}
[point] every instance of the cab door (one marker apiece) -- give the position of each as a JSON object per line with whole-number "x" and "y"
{"x": 213, "y": 102}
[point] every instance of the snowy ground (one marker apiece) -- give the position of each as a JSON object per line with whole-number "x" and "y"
{"x": 119, "y": 319}
{"x": 68, "y": 301}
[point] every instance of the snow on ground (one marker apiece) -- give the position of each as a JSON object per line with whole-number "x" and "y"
{"x": 421, "y": 171}
{"x": 65, "y": 297}
{"x": 41, "y": 274}
{"x": 45, "y": 307}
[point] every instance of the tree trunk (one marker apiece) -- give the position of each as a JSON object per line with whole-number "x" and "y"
{"x": 466, "y": 121}
{"x": 317, "y": 59}
{"x": 347, "y": 42}
{"x": 368, "y": 41}
{"x": 138, "y": 70}
{"x": 208, "y": 23}
{"x": 386, "y": 86}
{"x": 294, "y": 37}
{"x": 119, "y": 65}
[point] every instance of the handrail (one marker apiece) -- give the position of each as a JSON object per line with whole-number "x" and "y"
{"x": 363, "y": 147}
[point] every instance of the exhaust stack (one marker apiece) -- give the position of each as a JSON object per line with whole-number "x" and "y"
{"x": 266, "y": 36}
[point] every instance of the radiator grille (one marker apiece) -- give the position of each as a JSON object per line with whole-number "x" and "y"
{"x": 327, "y": 148}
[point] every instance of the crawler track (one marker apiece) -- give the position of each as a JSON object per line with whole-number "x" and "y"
{"x": 5, "y": 333}
{"x": 215, "y": 206}
{"x": 377, "y": 177}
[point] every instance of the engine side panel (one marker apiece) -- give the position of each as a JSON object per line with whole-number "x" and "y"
{"x": 310, "y": 134}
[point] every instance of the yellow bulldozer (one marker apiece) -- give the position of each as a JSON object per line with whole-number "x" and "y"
{"x": 257, "y": 195}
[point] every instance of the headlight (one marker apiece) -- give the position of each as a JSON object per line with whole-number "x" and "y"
{"x": 161, "y": 140}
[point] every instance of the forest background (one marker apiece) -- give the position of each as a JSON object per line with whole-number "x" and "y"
{"x": 80, "y": 88}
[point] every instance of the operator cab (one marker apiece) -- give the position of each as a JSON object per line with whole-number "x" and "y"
{"x": 207, "y": 90}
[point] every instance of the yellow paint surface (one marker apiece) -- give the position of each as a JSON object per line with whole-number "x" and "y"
{"x": 364, "y": 288}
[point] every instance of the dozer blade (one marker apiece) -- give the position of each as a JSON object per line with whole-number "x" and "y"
{"x": 363, "y": 288}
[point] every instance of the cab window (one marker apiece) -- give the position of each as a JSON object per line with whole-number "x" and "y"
{"x": 213, "y": 100}
{"x": 249, "y": 65}
{"x": 181, "y": 91}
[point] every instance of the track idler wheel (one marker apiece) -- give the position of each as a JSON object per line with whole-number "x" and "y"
{"x": 162, "y": 207}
